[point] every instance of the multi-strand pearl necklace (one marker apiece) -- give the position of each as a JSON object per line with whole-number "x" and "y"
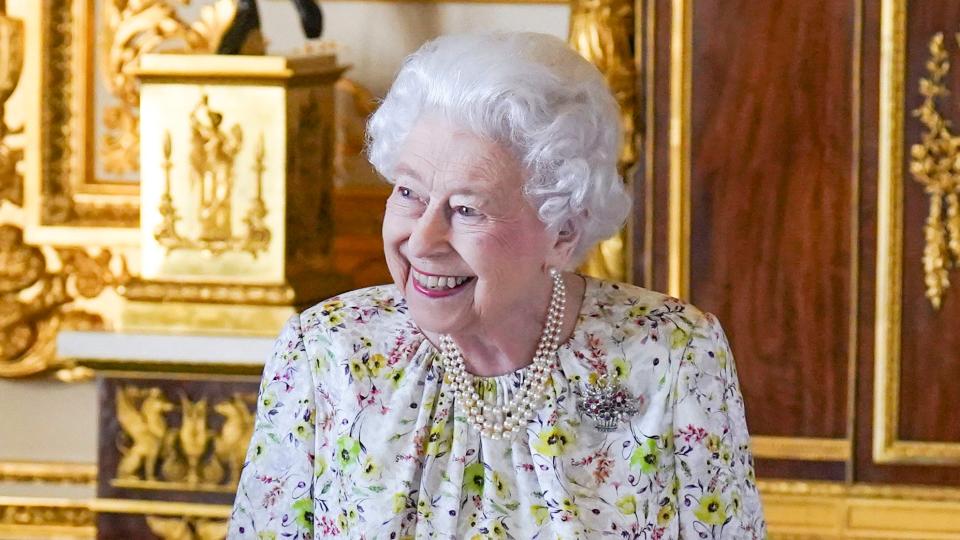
{"x": 497, "y": 421}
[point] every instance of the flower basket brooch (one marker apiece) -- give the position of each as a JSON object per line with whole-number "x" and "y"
{"x": 607, "y": 403}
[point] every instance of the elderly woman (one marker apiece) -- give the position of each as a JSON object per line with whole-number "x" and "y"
{"x": 490, "y": 392}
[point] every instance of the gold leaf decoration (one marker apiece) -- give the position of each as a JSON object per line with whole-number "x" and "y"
{"x": 935, "y": 164}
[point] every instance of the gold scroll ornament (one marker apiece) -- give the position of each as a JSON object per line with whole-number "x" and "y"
{"x": 602, "y": 32}
{"x": 935, "y": 164}
{"x": 155, "y": 454}
{"x": 173, "y": 528}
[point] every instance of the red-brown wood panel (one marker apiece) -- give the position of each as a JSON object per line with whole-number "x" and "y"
{"x": 772, "y": 154}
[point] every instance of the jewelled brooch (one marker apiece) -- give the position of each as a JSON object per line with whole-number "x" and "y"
{"x": 607, "y": 403}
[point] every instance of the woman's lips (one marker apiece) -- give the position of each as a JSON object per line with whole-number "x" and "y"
{"x": 439, "y": 293}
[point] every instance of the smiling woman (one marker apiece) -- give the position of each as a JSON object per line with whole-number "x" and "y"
{"x": 489, "y": 391}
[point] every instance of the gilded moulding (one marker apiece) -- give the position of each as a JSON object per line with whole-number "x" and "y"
{"x": 48, "y": 472}
{"x": 887, "y": 447}
{"x": 602, "y": 31}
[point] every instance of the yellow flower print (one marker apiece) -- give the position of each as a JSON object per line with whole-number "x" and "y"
{"x": 268, "y": 400}
{"x": 726, "y": 455}
{"x": 539, "y": 513}
{"x": 570, "y": 507}
{"x": 331, "y": 306}
{"x": 423, "y": 509}
{"x": 638, "y": 311}
{"x": 437, "y": 443}
{"x": 666, "y": 513}
{"x": 342, "y": 522}
{"x": 710, "y": 510}
{"x": 496, "y": 531}
{"x": 503, "y": 492}
{"x": 621, "y": 369}
{"x": 334, "y": 319}
{"x": 319, "y": 466}
{"x": 396, "y": 377}
{"x": 627, "y": 505}
{"x": 646, "y": 456}
{"x": 722, "y": 358}
{"x": 365, "y": 342}
{"x": 679, "y": 338}
{"x": 303, "y": 430}
{"x": 357, "y": 369}
{"x": 352, "y": 515}
{"x": 370, "y": 468}
{"x": 553, "y": 441}
{"x": 376, "y": 363}
{"x": 713, "y": 443}
{"x": 473, "y": 478}
{"x": 399, "y": 502}
{"x": 348, "y": 450}
{"x": 266, "y": 535}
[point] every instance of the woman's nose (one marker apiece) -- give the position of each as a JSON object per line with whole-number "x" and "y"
{"x": 430, "y": 234}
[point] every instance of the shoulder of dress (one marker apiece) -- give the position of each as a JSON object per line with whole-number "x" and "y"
{"x": 627, "y": 301}
{"x": 370, "y": 310}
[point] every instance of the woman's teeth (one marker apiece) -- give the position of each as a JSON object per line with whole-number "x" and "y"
{"x": 439, "y": 282}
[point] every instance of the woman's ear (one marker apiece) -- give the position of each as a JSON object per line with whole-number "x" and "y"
{"x": 565, "y": 245}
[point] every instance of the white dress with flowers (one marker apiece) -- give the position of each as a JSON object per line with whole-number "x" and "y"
{"x": 357, "y": 437}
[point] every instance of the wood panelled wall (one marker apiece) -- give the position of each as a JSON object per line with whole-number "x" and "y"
{"x": 772, "y": 136}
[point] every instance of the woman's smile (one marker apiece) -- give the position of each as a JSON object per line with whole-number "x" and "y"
{"x": 437, "y": 285}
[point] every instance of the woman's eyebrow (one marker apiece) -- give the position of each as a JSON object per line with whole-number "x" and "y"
{"x": 406, "y": 170}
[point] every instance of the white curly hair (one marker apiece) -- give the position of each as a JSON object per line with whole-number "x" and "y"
{"x": 533, "y": 94}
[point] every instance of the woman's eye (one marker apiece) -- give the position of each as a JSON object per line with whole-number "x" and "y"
{"x": 404, "y": 191}
{"x": 466, "y": 211}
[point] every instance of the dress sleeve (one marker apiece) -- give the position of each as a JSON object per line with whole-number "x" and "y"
{"x": 275, "y": 495}
{"x": 716, "y": 488}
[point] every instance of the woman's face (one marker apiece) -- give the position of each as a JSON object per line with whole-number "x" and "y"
{"x": 461, "y": 241}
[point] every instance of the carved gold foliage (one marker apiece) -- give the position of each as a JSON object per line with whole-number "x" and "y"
{"x": 602, "y": 32}
{"x": 213, "y": 153}
{"x": 158, "y": 454}
{"x": 35, "y": 302}
{"x": 935, "y": 164}
{"x": 132, "y": 28}
{"x": 187, "y": 528}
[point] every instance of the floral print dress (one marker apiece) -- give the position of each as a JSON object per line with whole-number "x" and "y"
{"x": 357, "y": 435}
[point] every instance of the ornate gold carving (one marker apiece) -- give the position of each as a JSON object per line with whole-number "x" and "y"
{"x": 11, "y": 62}
{"x": 51, "y": 472}
{"x": 25, "y": 512}
{"x": 191, "y": 456}
{"x": 132, "y": 29}
{"x": 231, "y": 443}
{"x": 34, "y": 302}
{"x": 602, "y": 32}
{"x": 935, "y": 164}
{"x": 187, "y": 528}
{"x": 146, "y": 427}
{"x": 212, "y": 157}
